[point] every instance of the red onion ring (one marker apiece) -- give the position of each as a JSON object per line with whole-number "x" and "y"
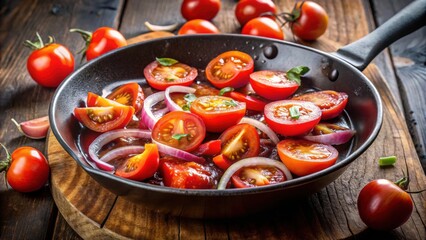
{"x": 178, "y": 153}
{"x": 171, "y": 105}
{"x": 121, "y": 152}
{"x": 148, "y": 116}
{"x": 262, "y": 127}
{"x": 335, "y": 138}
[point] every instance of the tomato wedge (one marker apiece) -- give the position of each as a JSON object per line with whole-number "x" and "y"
{"x": 292, "y": 117}
{"x": 304, "y": 157}
{"x": 141, "y": 166}
{"x": 230, "y": 69}
{"x": 103, "y": 119}
{"x": 330, "y": 102}
{"x": 273, "y": 85}
{"x": 257, "y": 176}
{"x": 252, "y": 102}
{"x": 161, "y": 76}
{"x": 130, "y": 94}
{"x": 180, "y": 130}
{"x": 218, "y": 112}
{"x": 94, "y": 100}
{"x": 209, "y": 148}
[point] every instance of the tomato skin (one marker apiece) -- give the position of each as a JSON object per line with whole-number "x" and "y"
{"x": 264, "y": 27}
{"x": 198, "y": 26}
{"x": 272, "y": 85}
{"x": 156, "y": 74}
{"x": 129, "y": 94}
{"x": 304, "y": 157}
{"x": 330, "y": 102}
{"x": 94, "y": 117}
{"x": 249, "y": 9}
{"x": 256, "y": 176}
{"x": 141, "y": 166}
{"x": 104, "y": 39}
{"x": 29, "y": 170}
{"x": 312, "y": 23}
{"x": 200, "y": 9}
{"x": 210, "y": 148}
{"x": 50, "y": 65}
{"x": 252, "y": 103}
{"x": 382, "y": 205}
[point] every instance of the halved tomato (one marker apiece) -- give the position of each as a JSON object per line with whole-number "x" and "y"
{"x": 273, "y": 85}
{"x": 130, "y": 94}
{"x": 304, "y": 157}
{"x": 218, "y": 112}
{"x": 161, "y": 76}
{"x": 210, "y": 148}
{"x": 141, "y": 166}
{"x": 257, "y": 176}
{"x": 180, "y": 129}
{"x": 252, "y": 102}
{"x": 330, "y": 102}
{"x": 94, "y": 100}
{"x": 103, "y": 119}
{"x": 292, "y": 117}
{"x": 230, "y": 69}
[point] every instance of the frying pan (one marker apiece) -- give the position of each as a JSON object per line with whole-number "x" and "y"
{"x": 339, "y": 71}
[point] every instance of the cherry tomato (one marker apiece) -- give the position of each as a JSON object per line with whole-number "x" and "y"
{"x": 94, "y": 100}
{"x": 312, "y": 22}
{"x": 130, "y": 94}
{"x": 209, "y": 148}
{"x": 28, "y": 169}
{"x": 249, "y": 9}
{"x": 180, "y": 129}
{"x": 382, "y": 205}
{"x": 103, "y": 119}
{"x": 160, "y": 76}
{"x": 264, "y": 27}
{"x": 200, "y": 9}
{"x": 141, "y": 166}
{"x": 252, "y": 102}
{"x": 273, "y": 85}
{"x": 278, "y": 115}
{"x": 304, "y": 157}
{"x": 330, "y": 102}
{"x": 198, "y": 26}
{"x": 49, "y": 64}
{"x": 230, "y": 69}
{"x": 217, "y": 112}
{"x": 257, "y": 176}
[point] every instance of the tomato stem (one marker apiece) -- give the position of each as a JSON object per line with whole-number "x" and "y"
{"x": 38, "y": 43}
{"x": 4, "y": 164}
{"x": 403, "y": 183}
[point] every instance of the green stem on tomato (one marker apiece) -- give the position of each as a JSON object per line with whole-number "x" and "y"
{"x": 403, "y": 183}
{"x": 38, "y": 43}
{"x": 4, "y": 164}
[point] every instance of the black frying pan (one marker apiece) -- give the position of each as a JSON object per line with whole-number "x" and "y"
{"x": 340, "y": 71}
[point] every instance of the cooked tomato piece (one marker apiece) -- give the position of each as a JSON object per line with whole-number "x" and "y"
{"x": 200, "y": 90}
{"x": 257, "y": 176}
{"x": 180, "y": 129}
{"x": 141, "y": 166}
{"x": 218, "y": 112}
{"x": 103, "y": 119}
{"x": 230, "y": 69}
{"x": 292, "y": 117}
{"x": 129, "y": 94}
{"x": 252, "y": 102}
{"x": 330, "y": 102}
{"x": 209, "y": 148}
{"x": 161, "y": 76}
{"x": 304, "y": 157}
{"x": 273, "y": 85}
{"x": 94, "y": 100}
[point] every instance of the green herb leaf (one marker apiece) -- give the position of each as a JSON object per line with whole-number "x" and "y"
{"x": 295, "y": 73}
{"x": 190, "y": 97}
{"x": 166, "y": 61}
{"x": 231, "y": 103}
{"x": 294, "y": 112}
{"x": 179, "y": 136}
{"x": 387, "y": 161}
{"x": 225, "y": 90}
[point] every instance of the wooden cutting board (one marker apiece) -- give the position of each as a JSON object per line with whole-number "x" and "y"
{"x": 95, "y": 213}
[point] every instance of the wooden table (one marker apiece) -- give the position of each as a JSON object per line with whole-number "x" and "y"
{"x": 399, "y": 74}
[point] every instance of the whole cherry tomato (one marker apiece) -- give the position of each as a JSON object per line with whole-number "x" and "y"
{"x": 249, "y": 9}
{"x": 264, "y": 27}
{"x": 200, "y": 9}
{"x": 309, "y": 21}
{"x": 198, "y": 26}
{"x": 383, "y": 205}
{"x": 49, "y": 64}
{"x": 101, "y": 41}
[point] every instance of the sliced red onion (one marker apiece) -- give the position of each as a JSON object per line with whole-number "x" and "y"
{"x": 336, "y": 138}
{"x": 121, "y": 152}
{"x": 107, "y": 137}
{"x": 148, "y": 116}
{"x": 178, "y": 153}
{"x": 262, "y": 127}
{"x": 248, "y": 162}
{"x": 171, "y": 105}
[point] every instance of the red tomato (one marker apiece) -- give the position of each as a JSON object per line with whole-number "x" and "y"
{"x": 252, "y": 102}
{"x": 198, "y": 26}
{"x": 257, "y": 176}
{"x": 330, "y": 102}
{"x": 273, "y": 85}
{"x": 249, "y": 9}
{"x": 180, "y": 129}
{"x": 230, "y": 69}
{"x": 209, "y": 148}
{"x": 312, "y": 22}
{"x": 141, "y": 166}
{"x": 103, "y": 119}
{"x": 49, "y": 64}
{"x": 304, "y": 157}
{"x": 160, "y": 77}
{"x": 200, "y": 9}
{"x": 278, "y": 117}
{"x": 94, "y": 100}
{"x": 130, "y": 94}
{"x": 218, "y": 112}
{"x": 28, "y": 169}
{"x": 264, "y": 27}
{"x": 382, "y": 205}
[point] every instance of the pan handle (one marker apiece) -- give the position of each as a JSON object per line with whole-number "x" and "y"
{"x": 361, "y": 52}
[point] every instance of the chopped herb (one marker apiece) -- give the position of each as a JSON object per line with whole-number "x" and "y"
{"x": 179, "y": 136}
{"x": 294, "y": 112}
{"x": 387, "y": 161}
{"x": 190, "y": 97}
{"x": 166, "y": 61}
{"x": 295, "y": 73}
{"x": 170, "y": 79}
{"x": 231, "y": 103}
{"x": 225, "y": 90}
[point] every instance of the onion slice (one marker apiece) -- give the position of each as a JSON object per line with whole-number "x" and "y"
{"x": 178, "y": 153}
{"x": 171, "y": 105}
{"x": 156, "y": 28}
{"x": 262, "y": 127}
{"x": 248, "y": 162}
{"x": 148, "y": 116}
{"x": 122, "y": 152}
{"x": 336, "y": 138}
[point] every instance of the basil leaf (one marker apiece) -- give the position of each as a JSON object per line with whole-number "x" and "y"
{"x": 179, "y": 136}
{"x": 230, "y": 103}
{"x": 294, "y": 112}
{"x": 295, "y": 73}
{"x": 167, "y": 62}
{"x": 225, "y": 90}
{"x": 190, "y": 97}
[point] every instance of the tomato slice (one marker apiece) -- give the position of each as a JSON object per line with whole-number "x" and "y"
{"x": 103, "y": 119}
{"x": 273, "y": 85}
{"x": 209, "y": 148}
{"x": 257, "y": 176}
{"x": 180, "y": 129}
{"x": 130, "y": 94}
{"x": 160, "y": 77}
{"x": 279, "y": 117}
{"x": 304, "y": 157}
{"x": 141, "y": 166}
{"x": 330, "y": 102}
{"x": 94, "y": 100}
{"x": 230, "y": 69}
{"x": 218, "y": 112}
{"x": 252, "y": 102}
